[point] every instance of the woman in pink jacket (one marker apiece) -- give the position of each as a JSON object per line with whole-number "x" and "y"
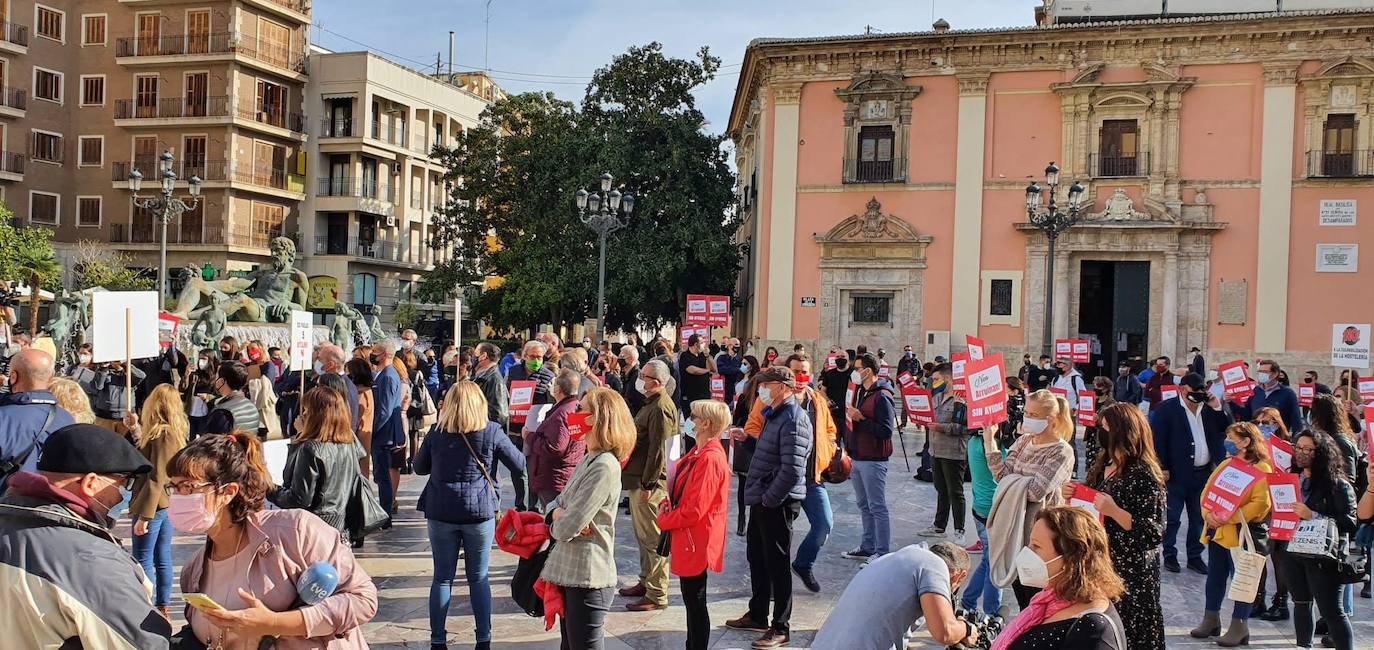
{"x": 253, "y": 558}
{"x": 695, "y": 513}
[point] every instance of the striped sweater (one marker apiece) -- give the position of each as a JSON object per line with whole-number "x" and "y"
{"x": 1049, "y": 465}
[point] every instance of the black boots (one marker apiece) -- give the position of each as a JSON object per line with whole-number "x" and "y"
{"x": 1258, "y": 608}
{"x": 1278, "y": 610}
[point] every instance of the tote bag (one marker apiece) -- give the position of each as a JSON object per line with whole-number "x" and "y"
{"x": 1249, "y": 568}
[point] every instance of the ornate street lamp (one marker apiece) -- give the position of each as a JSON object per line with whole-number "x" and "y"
{"x": 604, "y": 212}
{"x": 1052, "y": 221}
{"x": 164, "y": 208}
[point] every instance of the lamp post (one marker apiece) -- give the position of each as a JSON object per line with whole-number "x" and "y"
{"x": 164, "y": 209}
{"x": 604, "y": 212}
{"x": 1052, "y": 221}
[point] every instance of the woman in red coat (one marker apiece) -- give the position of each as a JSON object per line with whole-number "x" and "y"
{"x": 695, "y": 512}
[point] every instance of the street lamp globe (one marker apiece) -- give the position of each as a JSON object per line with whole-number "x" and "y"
{"x": 614, "y": 199}
{"x": 1052, "y": 175}
{"x": 581, "y": 198}
{"x": 195, "y": 185}
{"x": 169, "y": 181}
{"x": 606, "y": 180}
{"x": 628, "y": 203}
{"x": 594, "y": 202}
{"x": 1075, "y": 195}
{"x": 135, "y": 181}
{"x": 1032, "y": 197}
{"x": 165, "y": 161}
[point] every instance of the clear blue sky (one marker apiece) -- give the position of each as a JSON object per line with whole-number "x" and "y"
{"x": 556, "y": 45}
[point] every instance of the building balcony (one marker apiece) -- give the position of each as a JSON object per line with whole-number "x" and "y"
{"x": 337, "y": 128}
{"x": 874, "y": 171}
{"x": 13, "y": 101}
{"x": 1119, "y": 166}
{"x": 253, "y": 236}
{"x": 12, "y": 165}
{"x": 278, "y": 182}
{"x": 138, "y": 49}
{"x": 1358, "y": 163}
{"x": 274, "y": 55}
{"x": 379, "y": 251}
{"x": 272, "y": 116}
{"x": 297, "y": 10}
{"x": 266, "y": 177}
{"x": 209, "y": 171}
{"x": 14, "y": 38}
{"x": 172, "y": 108}
{"x": 355, "y": 187}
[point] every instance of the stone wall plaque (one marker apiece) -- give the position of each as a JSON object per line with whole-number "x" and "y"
{"x": 1231, "y": 302}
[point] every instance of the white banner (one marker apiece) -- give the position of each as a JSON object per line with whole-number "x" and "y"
{"x": 1350, "y": 345}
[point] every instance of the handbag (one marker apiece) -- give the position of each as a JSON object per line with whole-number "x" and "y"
{"x": 665, "y": 538}
{"x": 364, "y": 514}
{"x": 1316, "y": 539}
{"x": 1249, "y": 568}
{"x": 841, "y": 466}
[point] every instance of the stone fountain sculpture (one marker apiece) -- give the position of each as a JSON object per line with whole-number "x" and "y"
{"x": 268, "y": 295}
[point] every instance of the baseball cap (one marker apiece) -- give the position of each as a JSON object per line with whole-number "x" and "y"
{"x": 90, "y": 449}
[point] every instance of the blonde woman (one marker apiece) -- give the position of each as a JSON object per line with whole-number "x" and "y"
{"x": 460, "y": 502}
{"x": 1034, "y": 471}
{"x": 583, "y": 560}
{"x": 322, "y": 464}
{"x": 160, "y": 432}
{"x": 72, "y": 399}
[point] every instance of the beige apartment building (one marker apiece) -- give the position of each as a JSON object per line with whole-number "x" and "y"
{"x": 91, "y": 90}
{"x": 366, "y": 230}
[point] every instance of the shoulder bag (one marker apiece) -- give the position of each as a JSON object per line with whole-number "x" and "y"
{"x": 665, "y": 538}
{"x": 364, "y": 514}
{"x": 1319, "y": 538}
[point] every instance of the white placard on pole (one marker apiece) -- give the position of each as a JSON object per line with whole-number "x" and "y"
{"x": 458, "y": 322}
{"x": 109, "y": 335}
{"x": 302, "y": 335}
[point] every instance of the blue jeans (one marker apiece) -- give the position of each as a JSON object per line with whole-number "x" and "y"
{"x": 870, "y": 490}
{"x": 381, "y": 475}
{"x": 444, "y": 541}
{"x": 1219, "y": 572}
{"x": 980, "y": 583}
{"x": 1179, "y": 499}
{"x": 817, "y": 509}
{"x": 154, "y": 552}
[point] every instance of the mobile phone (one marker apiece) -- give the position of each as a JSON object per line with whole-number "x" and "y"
{"x": 201, "y": 602}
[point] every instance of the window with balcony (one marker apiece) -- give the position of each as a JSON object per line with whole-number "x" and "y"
{"x": 1118, "y": 148}
{"x": 93, "y": 90}
{"x": 271, "y": 103}
{"x": 877, "y": 122}
{"x": 47, "y": 85}
{"x": 148, "y": 27}
{"x": 274, "y": 43}
{"x": 268, "y": 222}
{"x": 364, "y": 289}
{"x": 88, "y": 211}
{"x": 875, "y": 154}
{"x": 93, "y": 29}
{"x": 192, "y": 227}
{"x": 193, "y": 149}
{"x": 44, "y": 207}
{"x": 369, "y": 180}
{"x": 49, "y": 23}
{"x": 1338, "y": 145}
{"x": 197, "y": 94}
{"x": 90, "y": 151}
{"x": 46, "y": 147}
{"x": 198, "y": 32}
{"x": 871, "y": 309}
{"x": 145, "y": 96}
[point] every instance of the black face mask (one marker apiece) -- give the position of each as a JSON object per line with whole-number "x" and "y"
{"x": 374, "y": 359}
{"x": 1102, "y": 438}
{"x": 1100, "y": 392}
{"x": 226, "y": 354}
{"x": 1197, "y": 397}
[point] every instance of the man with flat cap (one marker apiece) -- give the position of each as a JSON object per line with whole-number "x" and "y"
{"x": 81, "y": 589}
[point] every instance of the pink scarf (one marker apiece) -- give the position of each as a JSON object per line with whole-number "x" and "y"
{"x": 1041, "y": 607}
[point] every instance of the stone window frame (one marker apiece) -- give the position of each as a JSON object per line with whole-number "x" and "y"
{"x": 853, "y": 295}
{"x": 876, "y": 86}
{"x": 1316, "y": 90}
{"x": 985, "y": 315}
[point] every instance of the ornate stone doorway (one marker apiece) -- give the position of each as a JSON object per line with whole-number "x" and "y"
{"x": 872, "y": 267}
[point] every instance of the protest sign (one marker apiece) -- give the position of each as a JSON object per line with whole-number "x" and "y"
{"x": 1082, "y": 350}
{"x": 1086, "y": 498}
{"x": 1350, "y": 345}
{"x": 685, "y": 333}
{"x": 1223, "y": 497}
{"x": 124, "y": 325}
{"x": 696, "y": 310}
{"x": 718, "y": 388}
{"x": 712, "y": 311}
{"x": 1168, "y": 392}
{"x": 1281, "y": 452}
{"x": 987, "y": 392}
{"x": 302, "y": 338}
{"x": 885, "y": 370}
{"x": 521, "y": 397}
{"x": 1063, "y": 348}
{"x": 167, "y": 325}
{"x": 1087, "y": 404}
{"x": 917, "y": 401}
{"x": 977, "y": 349}
{"x": 1306, "y": 393}
{"x": 1234, "y": 382}
{"x": 958, "y": 368}
{"x": 1284, "y": 492}
{"x": 1366, "y": 385}
{"x": 830, "y": 361}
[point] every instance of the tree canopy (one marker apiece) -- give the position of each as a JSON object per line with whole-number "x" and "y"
{"x": 511, "y": 212}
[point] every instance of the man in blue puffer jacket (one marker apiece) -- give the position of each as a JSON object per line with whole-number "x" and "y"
{"x": 774, "y": 490}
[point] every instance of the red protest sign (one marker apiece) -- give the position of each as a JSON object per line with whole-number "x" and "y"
{"x": 1167, "y": 392}
{"x": 885, "y": 370}
{"x": 708, "y": 310}
{"x": 685, "y": 333}
{"x": 1284, "y": 492}
{"x": 1366, "y": 385}
{"x": 977, "y": 349}
{"x": 167, "y": 330}
{"x": 1306, "y": 393}
{"x": 578, "y": 425}
{"x": 1224, "y": 496}
{"x": 851, "y": 396}
{"x": 904, "y": 379}
{"x": 521, "y": 397}
{"x": 1063, "y": 348}
{"x": 1234, "y": 381}
{"x": 987, "y": 392}
{"x": 1369, "y": 425}
{"x": 1085, "y": 497}
{"x": 958, "y": 368}
{"x": 917, "y": 401}
{"x": 697, "y": 311}
{"x": 830, "y": 362}
{"x": 1281, "y": 451}
{"x": 718, "y": 388}
{"x": 1082, "y": 351}
{"x": 1060, "y": 392}
{"x": 1087, "y": 405}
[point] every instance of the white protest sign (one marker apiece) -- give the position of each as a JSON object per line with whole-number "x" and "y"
{"x": 274, "y": 453}
{"x": 111, "y": 340}
{"x": 1350, "y": 345}
{"x": 302, "y": 338}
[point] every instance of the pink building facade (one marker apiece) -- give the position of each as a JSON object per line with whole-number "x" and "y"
{"x": 1225, "y": 159}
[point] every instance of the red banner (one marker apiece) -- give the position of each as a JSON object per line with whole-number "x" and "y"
{"x": 987, "y": 392}
{"x": 1306, "y": 393}
{"x": 1082, "y": 350}
{"x": 1281, "y": 452}
{"x": 1237, "y": 385}
{"x": 1284, "y": 491}
{"x": 685, "y": 332}
{"x": 1224, "y": 496}
{"x": 521, "y": 398}
{"x": 718, "y": 388}
{"x": 713, "y": 311}
{"x": 578, "y": 426}
{"x": 1168, "y": 392}
{"x": 918, "y": 404}
{"x": 959, "y": 369}
{"x": 1366, "y": 385}
{"x": 1086, "y": 498}
{"x": 1087, "y": 407}
{"x": 977, "y": 349}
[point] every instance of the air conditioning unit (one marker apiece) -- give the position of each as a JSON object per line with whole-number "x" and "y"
{"x": 391, "y": 223}
{"x": 937, "y": 344}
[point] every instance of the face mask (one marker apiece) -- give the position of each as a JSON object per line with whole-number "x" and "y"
{"x": 374, "y": 359}
{"x": 1267, "y": 430}
{"x": 1308, "y": 380}
{"x": 1100, "y": 391}
{"x": 409, "y": 345}
{"x": 84, "y": 358}
{"x": 226, "y": 354}
{"x": 319, "y": 367}
{"x": 189, "y": 514}
{"x": 766, "y": 394}
{"x": 203, "y": 364}
{"x": 1262, "y": 377}
{"x": 116, "y": 512}
{"x": 1034, "y": 426}
{"x": 803, "y": 379}
{"x": 745, "y": 369}
{"x": 1121, "y": 371}
{"x": 1045, "y": 366}
{"x": 856, "y": 377}
{"x": 1197, "y": 397}
{"x": 1231, "y": 448}
{"x": 1031, "y": 570}
{"x": 689, "y": 428}
{"x": 1178, "y": 381}
{"x": 533, "y": 365}
{"x": 639, "y": 386}
{"x": 255, "y": 356}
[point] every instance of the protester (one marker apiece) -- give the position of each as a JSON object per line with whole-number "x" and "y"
{"x": 770, "y": 357}
{"x": 322, "y": 464}
{"x": 1009, "y": 430}
{"x": 83, "y": 372}
{"x": 534, "y": 369}
{"x": 331, "y": 360}
{"x": 629, "y": 377}
{"x": 232, "y": 409}
{"x": 742, "y": 447}
{"x": 1044, "y": 377}
{"x": 551, "y": 450}
{"x": 1244, "y": 443}
{"x": 1328, "y": 416}
{"x": 643, "y": 477}
{"x": 29, "y": 412}
{"x": 1270, "y": 423}
{"x": 160, "y": 431}
{"x": 1030, "y": 478}
{"x": 1131, "y": 498}
{"x": 730, "y": 363}
{"x": 984, "y": 485}
{"x": 696, "y": 367}
{"x": 869, "y": 442}
{"x": 413, "y": 407}
{"x": 388, "y": 433}
{"x": 1102, "y": 398}
{"x": 111, "y": 395}
{"x": 196, "y": 392}
{"x": 70, "y": 583}
{"x": 229, "y": 350}
{"x": 606, "y": 369}
{"x": 774, "y": 490}
{"x": 1068, "y": 561}
{"x": 948, "y": 442}
{"x": 582, "y": 561}
{"x": 460, "y": 500}
{"x": 891, "y": 594}
{"x": 360, "y": 375}
{"x": 1325, "y": 493}
{"x": 253, "y": 557}
{"x": 1159, "y": 375}
{"x": 1188, "y": 434}
{"x": 1126, "y": 387}
{"x": 1271, "y": 392}
{"x": 694, "y": 514}
{"x": 72, "y": 399}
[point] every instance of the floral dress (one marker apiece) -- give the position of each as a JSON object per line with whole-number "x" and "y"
{"x": 1136, "y": 554}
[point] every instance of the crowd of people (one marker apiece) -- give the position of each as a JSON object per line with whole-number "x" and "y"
{"x": 662, "y": 433}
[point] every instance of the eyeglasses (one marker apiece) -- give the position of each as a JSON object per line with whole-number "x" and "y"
{"x": 187, "y": 488}
{"x": 125, "y": 481}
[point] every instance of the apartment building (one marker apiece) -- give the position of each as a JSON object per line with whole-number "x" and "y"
{"x": 91, "y": 90}
{"x": 365, "y": 236}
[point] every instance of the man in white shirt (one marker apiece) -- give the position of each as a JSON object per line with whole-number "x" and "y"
{"x": 1188, "y": 434}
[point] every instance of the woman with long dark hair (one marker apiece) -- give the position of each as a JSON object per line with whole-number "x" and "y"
{"x": 1325, "y": 493}
{"x": 196, "y": 392}
{"x": 322, "y": 464}
{"x": 742, "y": 446}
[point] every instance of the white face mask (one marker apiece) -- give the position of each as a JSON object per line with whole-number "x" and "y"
{"x": 1262, "y": 377}
{"x": 319, "y": 367}
{"x": 1177, "y": 380}
{"x": 1034, "y": 426}
{"x": 689, "y": 428}
{"x": 84, "y": 358}
{"x": 766, "y": 394}
{"x": 1031, "y": 570}
{"x": 203, "y": 363}
{"x": 856, "y": 377}
{"x": 639, "y": 386}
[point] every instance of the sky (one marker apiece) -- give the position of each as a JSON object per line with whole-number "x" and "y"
{"x": 556, "y": 45}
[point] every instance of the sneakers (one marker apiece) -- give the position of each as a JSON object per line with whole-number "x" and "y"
{"x": 771, "y": 639}
{"x": 808, "y": 579}
{"x": 933, "y": 531}
{"x": 976, "y": 547}
{"x": 857, "y": 554}
{"x": 959, "y": 535}
{"x": 746, "y": 623}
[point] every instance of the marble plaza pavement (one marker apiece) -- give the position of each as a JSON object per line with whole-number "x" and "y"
{"x": 399, "y": 562}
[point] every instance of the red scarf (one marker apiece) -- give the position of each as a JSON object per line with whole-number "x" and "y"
{"x": 1040, "y": 608}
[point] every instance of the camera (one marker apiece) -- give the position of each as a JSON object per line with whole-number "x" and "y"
{"x": 984, "y": 626}
{"x": 9, "y": 294}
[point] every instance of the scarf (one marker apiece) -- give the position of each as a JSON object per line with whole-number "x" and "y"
{"x": 1041, "y": 607}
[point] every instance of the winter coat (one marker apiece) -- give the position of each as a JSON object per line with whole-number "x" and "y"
{"x": 701, "y": 493}
{"x": 456, "y": 491}
{"x": 22, "y": 416}
{"x": 778, "y": 470}
{"x": 551, "y": 451}
{"x": 318, "y": 477}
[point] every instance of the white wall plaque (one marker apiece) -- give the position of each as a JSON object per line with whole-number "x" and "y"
{"x": 1337, "y": 212}
{"x": 1338, "y": 258}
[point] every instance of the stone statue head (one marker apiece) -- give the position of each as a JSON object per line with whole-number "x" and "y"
{"x": 283, "y": 252}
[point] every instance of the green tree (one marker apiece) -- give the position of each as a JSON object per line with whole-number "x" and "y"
{"x": 405, "y": 315}
{"x": 511, "y": 212}
{"x": 26, "y": 255}
{"x": 98, "y": 265}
